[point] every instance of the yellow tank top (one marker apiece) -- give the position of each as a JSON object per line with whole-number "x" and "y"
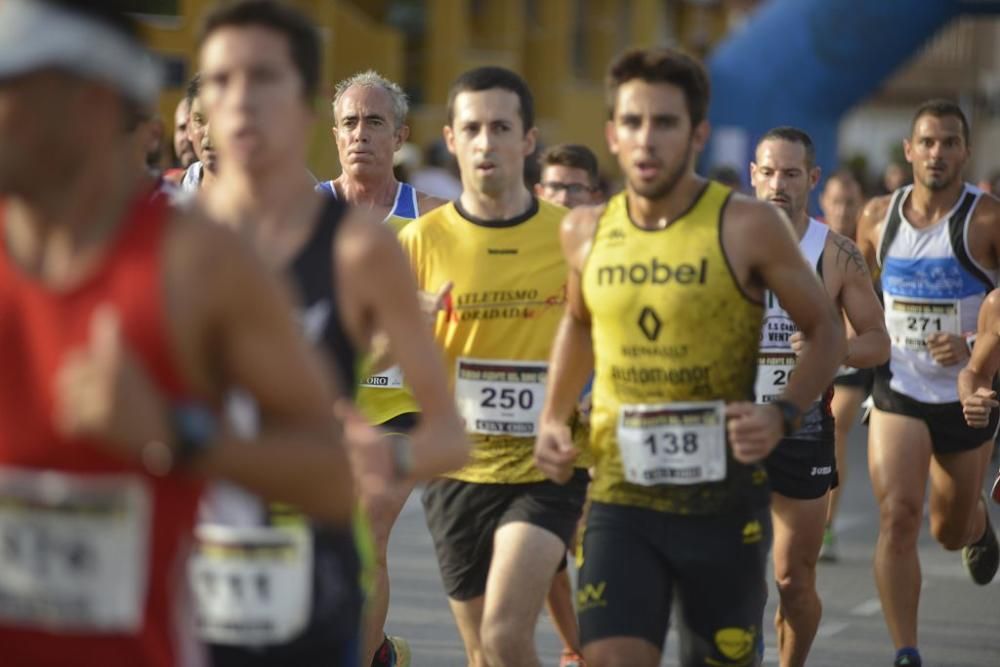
{"x": 508, "y": 297}
{"x": 383, "y": 396}
{"x": 673, "y": 336}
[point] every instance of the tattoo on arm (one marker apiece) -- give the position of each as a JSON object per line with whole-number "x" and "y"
{"x": 849, "y": 255}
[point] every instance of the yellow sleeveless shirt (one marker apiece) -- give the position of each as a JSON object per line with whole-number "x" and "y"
{"x": 508, "y": 298}
{"x": 674, "y": 337}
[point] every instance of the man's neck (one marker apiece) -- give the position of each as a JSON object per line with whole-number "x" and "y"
{"x": 510, "y": 204}
{"x": 800, "y": 223}
{"x": 659, "y": 213}
{"x": 929, "y": 206}
{"x": 278, "y": 196}
{"x": 375, "y": 192}
{"x": 56, "y": 233}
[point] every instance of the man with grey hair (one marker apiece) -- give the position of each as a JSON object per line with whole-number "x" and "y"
{"x": 369, "y": 114}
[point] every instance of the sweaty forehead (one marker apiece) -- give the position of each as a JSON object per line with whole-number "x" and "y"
{"x": 365, "y": 101}
{"x": 234, "y": 47}
{"x": 931, "y": 125}
{"x": 563, "y": 174}
{"x": 655, "y": 98}
{"x": 781, "y": 154}
{"x": 482, "y": 106}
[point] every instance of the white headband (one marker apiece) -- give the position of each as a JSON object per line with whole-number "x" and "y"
{"x": 36, "y": 35}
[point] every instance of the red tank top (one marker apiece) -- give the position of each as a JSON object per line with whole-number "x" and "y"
{"x": 92, "y": 549}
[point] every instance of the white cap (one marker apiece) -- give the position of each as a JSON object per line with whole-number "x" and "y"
{"x": 37, "y": 35}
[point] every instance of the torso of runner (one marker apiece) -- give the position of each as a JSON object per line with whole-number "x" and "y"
{"x": 508, "y": 298}
{"x": 674, "y": 339}
{"x": 92, "y": 545}
{"x": 383, "y": 396}
{"x": 930, "y": 283}
{"x": 262, "y": 573}
{"x": 776, "y": 361}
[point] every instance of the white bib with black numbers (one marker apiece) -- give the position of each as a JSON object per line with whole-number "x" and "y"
{"x": 497, "y": 397}
{"x": 253, "y": 585}
{"x": 673, "y": 443}
{"x": 74, "y": 551}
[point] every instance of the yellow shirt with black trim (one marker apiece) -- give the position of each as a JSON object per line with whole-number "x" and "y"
{"x": 508, "y": 298}
{"x": 669, "y": 324}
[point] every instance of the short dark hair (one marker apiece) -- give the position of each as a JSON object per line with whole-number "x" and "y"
{"x": 575, "y": 156}
{"x": 661, "y": 65}
{"x": 846, "y": 177}
{"x": 192, "y": 90}
{"x": 795, "y": 136}
{"x": 487, "y": 78}
{"x": 303, "y": 40}
{"x": 940, "y": 108}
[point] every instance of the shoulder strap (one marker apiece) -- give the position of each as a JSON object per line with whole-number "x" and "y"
{"x": 958, "y": 223}
{"x": 892, "y": 221}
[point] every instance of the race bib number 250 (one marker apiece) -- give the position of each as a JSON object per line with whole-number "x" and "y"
{"x": 498, "y": 397}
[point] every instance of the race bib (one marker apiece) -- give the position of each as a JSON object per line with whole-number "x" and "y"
{"x": 774, "y": 370}
{"x": 252, "y": 586}
{"x": 500, "y": 397}
{"x": 389, "y": 379}
{"x": 74, "y": 551}
{"x": 910, "y": 321}
{"x": 673, "y": 443}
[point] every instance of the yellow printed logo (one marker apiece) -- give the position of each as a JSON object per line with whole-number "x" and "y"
{"x": 752, "y": 532}
{"x": 591, "y": 596}
{"x": 735, "y": 643}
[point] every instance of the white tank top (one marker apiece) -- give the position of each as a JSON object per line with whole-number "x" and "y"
{"x": 930, "y": 283}
{"x": 776, "y": 360}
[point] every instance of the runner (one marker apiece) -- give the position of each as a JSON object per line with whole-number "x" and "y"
{"x": 803, "y": 467}
{"x": 206, "y": 169}
{"x": 936, "y": 245}
{"x": 665, "y": 300}
{"x": 569, "y": 177}
{"x": 123, "y": 321}
{"x": 500, "y": 529}
{"x": 979, "y": 398}
{"x": 352, "y": 280}
{"x": 841, "y": 202}
{"x": 370, "y": 126}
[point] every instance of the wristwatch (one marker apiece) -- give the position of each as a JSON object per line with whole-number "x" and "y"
{"x": 791, "y": 416}
{"x": 194, "y": 428}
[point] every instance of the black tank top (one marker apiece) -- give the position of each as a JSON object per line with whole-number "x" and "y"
{"x": 315, "y": 275}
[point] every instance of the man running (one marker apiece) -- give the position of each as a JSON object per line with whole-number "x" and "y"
{"x": 499, "y": 528}
{"x": 569, "y": 177}
{"x": 975, "y": 384}
{"x": 936, "y": 244}
{"x": 841, "y": 202}
{"x": 665, "y": 294}
{"x": 803, "y": 468}
{"x": 369, "y": 114}
{"x": 123, "y": 324}
{"x": 352, "y": 280}
{"x": 205, "y": 170}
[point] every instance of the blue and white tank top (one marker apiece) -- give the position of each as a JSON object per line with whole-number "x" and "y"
{"x": 931, "y": 283}
{"x": 776, "y": 360}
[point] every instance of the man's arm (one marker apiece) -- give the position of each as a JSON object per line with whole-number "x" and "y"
{"x": 869, "y": 344}
{"x": 230, "y": 325}
{"x": 870, "y": 231}
{"x": 383, "y": 294}
{"x": 975, "y": 381}
{"x": 572, "y": 358}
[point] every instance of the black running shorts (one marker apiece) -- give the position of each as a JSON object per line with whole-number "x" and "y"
{"x": 636, "y": 561}
{"x": 462, "y": 517}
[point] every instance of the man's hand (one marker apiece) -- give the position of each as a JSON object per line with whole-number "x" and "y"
{"x": 555, "y": 452}
{"x": 432, "y": 303}
{"x": 947, "y": 349}
{"x": 754, "y": 430}
{"x": 103, "y": 393}
{"x": 978, "y": 407}
{"x": 798, "y": 343}
{"x": 369, "y": 450}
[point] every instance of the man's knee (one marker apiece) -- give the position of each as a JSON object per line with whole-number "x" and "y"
{"x": 504, "y": 641}
{"x": 900, "y": 521}
{"x": 796, "y": 585}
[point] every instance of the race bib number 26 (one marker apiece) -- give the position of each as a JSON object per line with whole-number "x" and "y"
{"x": 500, "y": 397}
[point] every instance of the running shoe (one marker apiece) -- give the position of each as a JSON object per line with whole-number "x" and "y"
{"x": 982, "y": 558}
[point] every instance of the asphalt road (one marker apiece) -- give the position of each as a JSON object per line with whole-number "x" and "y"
{"x": 959, "y": 621}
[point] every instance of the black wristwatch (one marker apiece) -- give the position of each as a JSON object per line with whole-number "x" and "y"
{"x": 194, "y": 427}
{"x": 791, "y": 416}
